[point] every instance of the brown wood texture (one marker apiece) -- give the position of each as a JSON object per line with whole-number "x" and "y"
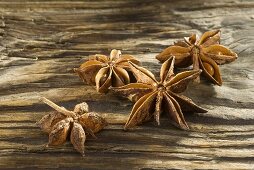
{"x": 41, "y": 43}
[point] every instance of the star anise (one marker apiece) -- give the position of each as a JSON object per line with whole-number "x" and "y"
{"x": 155, "y": 97}
{"x": 104, "y": 71}
{"x": 205, "y": 53}
{"x": 62, "y": 124}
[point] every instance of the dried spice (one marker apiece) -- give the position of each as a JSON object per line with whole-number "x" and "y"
{"x": 205, "y": 53}
{"x": 104, "y": 71}
{"x": 153, "y": 97}
{"x": 63, "y": 124}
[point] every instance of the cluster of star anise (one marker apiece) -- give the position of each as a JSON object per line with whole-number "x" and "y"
{"x": 151, "y": 97}
{"x": 62, "y": 124}
{"x": 154, "y": 97}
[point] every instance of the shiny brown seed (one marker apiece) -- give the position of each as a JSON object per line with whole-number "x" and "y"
{"x": 103, "y": 79}
{"x": 209, "y": 68}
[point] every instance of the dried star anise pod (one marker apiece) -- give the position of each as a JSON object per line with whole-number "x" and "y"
{"x": 104, "y": 71}
{"x": 205, "y": 53}
{"x": 62, "y": 124}
{"x": 154, "y": 97}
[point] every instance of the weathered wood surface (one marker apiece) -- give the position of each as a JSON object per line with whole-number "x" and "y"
{"x": 41, "y": 42}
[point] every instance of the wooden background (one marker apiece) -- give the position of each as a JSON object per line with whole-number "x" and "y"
{"x": 42, "y": 41}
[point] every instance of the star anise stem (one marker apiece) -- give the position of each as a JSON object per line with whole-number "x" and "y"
{"x": 158, "y": 107}
{"x": 58, "y": 108}
{"x": 196, "y": 63}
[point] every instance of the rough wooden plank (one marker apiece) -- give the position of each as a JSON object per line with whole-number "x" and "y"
{"x": 42, "y": 41}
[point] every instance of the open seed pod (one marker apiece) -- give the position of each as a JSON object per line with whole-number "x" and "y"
{"x": 105, "y": 72}
{"x": 204, "y": 53}
{"x": 154, "y": 97}
{"x": 76, "y": 125}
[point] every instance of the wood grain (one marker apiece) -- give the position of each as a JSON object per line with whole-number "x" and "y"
{"x": 41, "y": 43}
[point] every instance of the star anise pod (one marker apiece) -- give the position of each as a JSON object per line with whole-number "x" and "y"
{"x": 104, "y": 71}
{"x": 155, "y": 97}
{"x": 205, "y": 53}
{"x": 62, "y": 124}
